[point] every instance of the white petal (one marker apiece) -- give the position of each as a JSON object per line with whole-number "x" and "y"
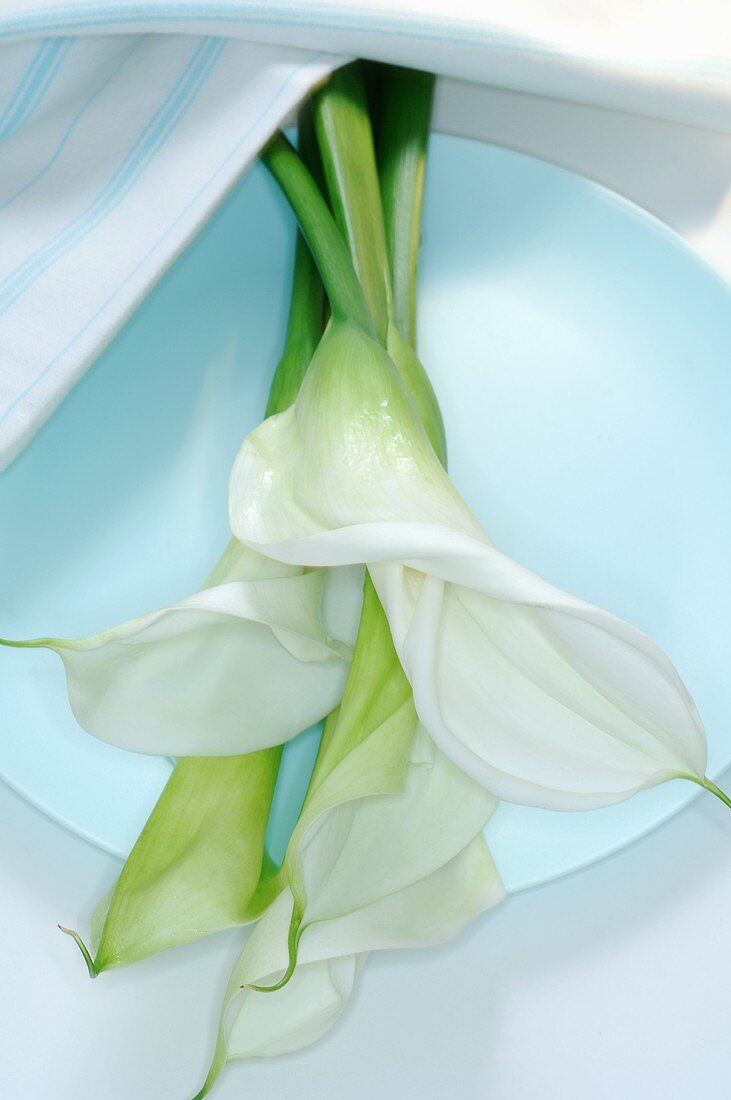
{"x": 235, "y": 668}
{"x": 430, "y": 911}
{"x": 266, "y": 1024}
{"x": 359, "y": 839}
{"x": 540, "y": 697}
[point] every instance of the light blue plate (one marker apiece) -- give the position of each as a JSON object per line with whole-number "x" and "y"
{"x": 581, "y": 354}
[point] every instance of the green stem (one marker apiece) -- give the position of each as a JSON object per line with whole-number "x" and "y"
{"x": 345, "y": 137}
{"x": 405, "y": 98}
{"x": 709, "y": 785}
{"x": 318, "y": 226}
{"x": 307, "y": 304}
{"x": 306, "y": 311}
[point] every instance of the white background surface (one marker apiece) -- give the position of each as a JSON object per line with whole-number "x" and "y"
{"x": 611, "y": 983}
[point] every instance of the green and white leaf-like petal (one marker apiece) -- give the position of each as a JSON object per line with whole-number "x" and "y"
{"x": 380, "y": 822}
{"x": 332, "y": 952}
{"x": 539, "y": 696}
{"x": 198, "y": 865}
{"x": 241, "y": 665}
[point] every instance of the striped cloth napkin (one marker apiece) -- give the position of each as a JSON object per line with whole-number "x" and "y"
{"x": 123, "y": 123}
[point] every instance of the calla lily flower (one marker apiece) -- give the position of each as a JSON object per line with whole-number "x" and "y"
{"x": 332, "y": 954}
{"x": 198, "y": 866}
{"x": 388, "y": 852}
{"x": 393, "y": 812}
{"x": 244, "y": 664}
{"x": 540, "y": 697}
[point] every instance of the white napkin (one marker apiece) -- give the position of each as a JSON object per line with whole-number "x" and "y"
{"x": 123, "y": 124}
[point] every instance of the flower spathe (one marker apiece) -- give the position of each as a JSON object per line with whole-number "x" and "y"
{"x": 199, "y": 864}
{"x": 332, "y": 953}
{"x": 539, "y": 696}
{"x": 244, "y": 664}
{"x": 388, "y": 853}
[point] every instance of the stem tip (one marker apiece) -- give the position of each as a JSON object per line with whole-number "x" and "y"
{"x": 93, "y": 972}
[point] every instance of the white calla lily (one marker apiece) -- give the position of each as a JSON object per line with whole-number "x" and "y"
{"x": 388, "y": 852}
{"x": 390, "y": 814}
{"x": 539, "y": 696}
{"x": 332, "y": 953}
{"x": 244, "y": 664}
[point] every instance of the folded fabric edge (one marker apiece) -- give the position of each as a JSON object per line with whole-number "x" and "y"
{"x": 29, "y": 409}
